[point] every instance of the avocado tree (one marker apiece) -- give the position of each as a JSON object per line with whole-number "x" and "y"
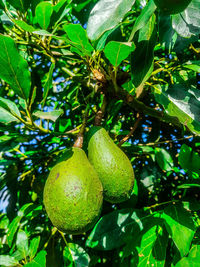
{"x": 131, "y": 66}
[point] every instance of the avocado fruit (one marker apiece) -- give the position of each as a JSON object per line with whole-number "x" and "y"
{"x": 73, "y": 193}
{"x": 111, "y": 164}
{"x": 170, "y": 7}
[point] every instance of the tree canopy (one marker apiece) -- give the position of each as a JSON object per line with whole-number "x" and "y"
{"x": 64, "y": 62}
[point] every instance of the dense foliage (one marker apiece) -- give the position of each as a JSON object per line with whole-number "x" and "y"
{"x": 61, "y": 60}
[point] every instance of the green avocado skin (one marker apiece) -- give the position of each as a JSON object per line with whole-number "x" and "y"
{"x": 111, "y": 164}
{"x": 170, "y": 7}
{"x": 73, "y": 193}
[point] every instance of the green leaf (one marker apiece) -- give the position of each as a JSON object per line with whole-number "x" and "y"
{"x": 8, "y": 111}
{"x": 22, "y": 243}
{"x": 192, "y": 259}
{"x": 152, "y": 247}
{"x": 143, "y": 57}
{"x": 79, "y": 255}
{"x": 187, "y": 23}
{"x": 180, "y": 227}
{"x": 106, "y": 15}
{"x": 194, "y": 67}
{"x": 143, "y": 19}
{"x": 48, "y": 83}
{"x": 51, "y": 115}
{"x": 24, "y": 26}
{"x": 39, "y": 260}
{"x": 78, "y": 38}
{"x": 14, "y": 69}
{"x": 164, "y": 159}
{"x": 115, "y": 228}
{"x": 186, "y": 186}
{"x": 43, "y": 14}
{"x": 189, "y": 160}
{"x": 34, "y": 244}
{"x": 179, "y": 102}
{"x": 58, "y": 10}
{"x": 21, "y": 5}
{"x": 116, "y": 52}
{"x": 12, "y": 229}
{"x": 6, "y": 260}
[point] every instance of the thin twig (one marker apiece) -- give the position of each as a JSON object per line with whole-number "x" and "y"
{"x": 139, "y": 118}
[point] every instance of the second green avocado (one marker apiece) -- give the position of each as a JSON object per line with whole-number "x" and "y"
{"x": 111, "y": 164}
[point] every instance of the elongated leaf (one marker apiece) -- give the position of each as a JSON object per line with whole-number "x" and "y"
{"x": 43, "y": 14}
{"x": 39, "y": 260}
{"x": 34, "y": 244}
{"x": 12, "y": 229}
{"x": 143, "y": 19}
{"x": 14, "y": 69}
{"x": 22, "y": 243}
{"x": 106, "y": 15}
{"x": 58, "y": 10}
{"x": 179, "y": 102}
{"x": 194, "y": 67}
{"x": 143, "y": 57}
{"x": 187, "y": 23}
{"x": 48, "y": 84}
{"x": 23, "y": 25}
{"x": 51, "y": 115}
{"x": 6, "y": 260}
{"x": 78, "y": 38}
{"x": 117, "y": 51}
{"x": 192, "y": 259}
{"x": 178, "y": 220}
{"x": 114, "y": 229}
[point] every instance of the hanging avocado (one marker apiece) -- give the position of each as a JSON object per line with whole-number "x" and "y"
{"x": 73, "y": 193}
{"x": 111, "y": 164}
{"x": 170, "y": 7}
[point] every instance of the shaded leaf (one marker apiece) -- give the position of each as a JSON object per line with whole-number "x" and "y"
{"x": 116, "y": 52}
{"x": 16, "y": 75}
{"x": 164, "y": 159}
{"x": 21, "y": 5}
{"x": 189, "y": 160}
{"x": 43, "y": 14}
{"x": 106, "y": 15}
{"x": 178, "y": 220}
{"x": 114, "y": 229}
{"x": 48, "y": 83}
{"x": 143, "y": 57}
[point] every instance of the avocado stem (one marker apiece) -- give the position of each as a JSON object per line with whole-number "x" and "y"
{"x": 79, "y": 140}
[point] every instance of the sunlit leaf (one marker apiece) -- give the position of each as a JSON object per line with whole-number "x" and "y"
{"x": 43, "y": 14}
{"x": 106, "y": 15}
{"x": 14, "y": 69}
{"x": 178, "y": 220}
{"x": 116, "y": 52}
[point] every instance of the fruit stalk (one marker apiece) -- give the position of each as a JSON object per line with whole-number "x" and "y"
{"x": 79, "y": 141}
